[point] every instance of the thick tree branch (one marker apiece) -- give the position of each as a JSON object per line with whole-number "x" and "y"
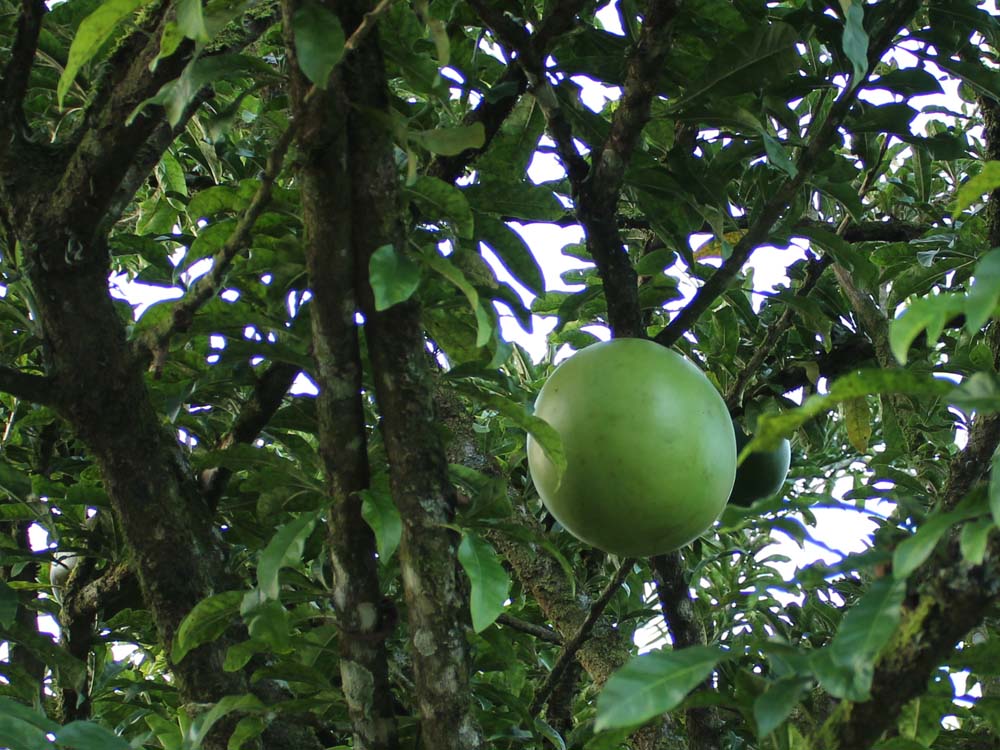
{"x": 805, "y": 164}
{"x": 37, "y": 389}
{"x": 599, "y": 193}
{"x": 436, "y": 608}
{"x": 18, "y": 70}
{"x": 325, "y": 148}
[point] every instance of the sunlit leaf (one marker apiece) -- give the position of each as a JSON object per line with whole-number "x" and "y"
{"x": 856, "y": 39}
{"x": 450, "y": 141}
{"x": 777, "y": 702}
{"x": 381, "y": 514}
{"x": 972, "y": 190}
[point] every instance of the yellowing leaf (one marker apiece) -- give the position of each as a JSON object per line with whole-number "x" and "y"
{"x": 713, "y": 248}
{"x": 858, "y": 421}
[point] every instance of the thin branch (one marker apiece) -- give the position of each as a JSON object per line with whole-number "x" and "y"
{"x": 540, "y": 632}
{"x": 37, "y": 389}
{"x": 268, "y": 395}
{"x": 158, "y": 339}
{"x": 18, "y": 71}
{"x": 568, "y": 654}
{"x": 806, "y": 163}
{"x": 598, "y": 195}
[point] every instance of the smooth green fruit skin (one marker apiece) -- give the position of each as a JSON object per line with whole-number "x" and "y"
{"x": 762, "y": 474}
{"x": 650, "y": 448}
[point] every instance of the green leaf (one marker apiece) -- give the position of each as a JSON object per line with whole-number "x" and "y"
{"x": 206, "y": 622}
{"x": 655, "y": 262}
{"x": 994, "y": 489}
{"x": 537, "y": 428}
{"x": 767, "y": 51}
{"x": 91, "y": 35}
{"x": 652, "y": 684}
{"x": 319, "y": 41}
{"x": 381, "y": 514}
{"x": 513, "y": 251}
{"x": 86, "y": 735}
{"x": 518, "y": 200}
{"x": 929, "y": 314}
{"x": 268, "y": 622}
{"x": 285, "y": 549}
{"x": 174, "y": 96}
{"x": 490, "y": 583}
{"x": 972, "y": 190}
{"x": 439, "y": 201}
{"x": 8, "y": 605}
{"x": 913, "y": 551}
{"x": 191, "y": 20}
{"x": 974, "y": 538}
{"x": 25, "y": 715}
{"x": 450, "y": 141}
{"x": 985, "y": 292}
{"x": 775, "y": 704}
{"x": 201, "y": 726}
{"x": 247, "y": 729}
{"x": 857, "y": 422}
{"x": 484, "y": 325}
{"x": 17, "y": 734}
{"x": 870, "y": 623}
{"x": 215, "y": 200}
{"x": 856, "y": 40}
{"x": 393, "y": 277}
{"x": 778, "y": 156}
{"x": 772, "y": 428}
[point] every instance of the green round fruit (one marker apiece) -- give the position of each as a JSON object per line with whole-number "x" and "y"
{"x": 650, "y": 449}
{"x": 762, "y": 473}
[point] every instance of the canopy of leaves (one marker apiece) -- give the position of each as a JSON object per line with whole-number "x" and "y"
{"x": 668, "y": 142}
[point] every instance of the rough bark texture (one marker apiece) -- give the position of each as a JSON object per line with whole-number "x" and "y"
{"x": 436, "y": 607}
{"x": 327, "y": 209}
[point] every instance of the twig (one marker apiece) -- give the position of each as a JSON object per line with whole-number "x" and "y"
{"x": 573, "y": 645}
{"x": 158, "y": 340}
{"x": 538, "y": 631}
{"x": 818, "y": 144}
{"x": 269, "y": 394}
{"x": 813, "y": 273}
